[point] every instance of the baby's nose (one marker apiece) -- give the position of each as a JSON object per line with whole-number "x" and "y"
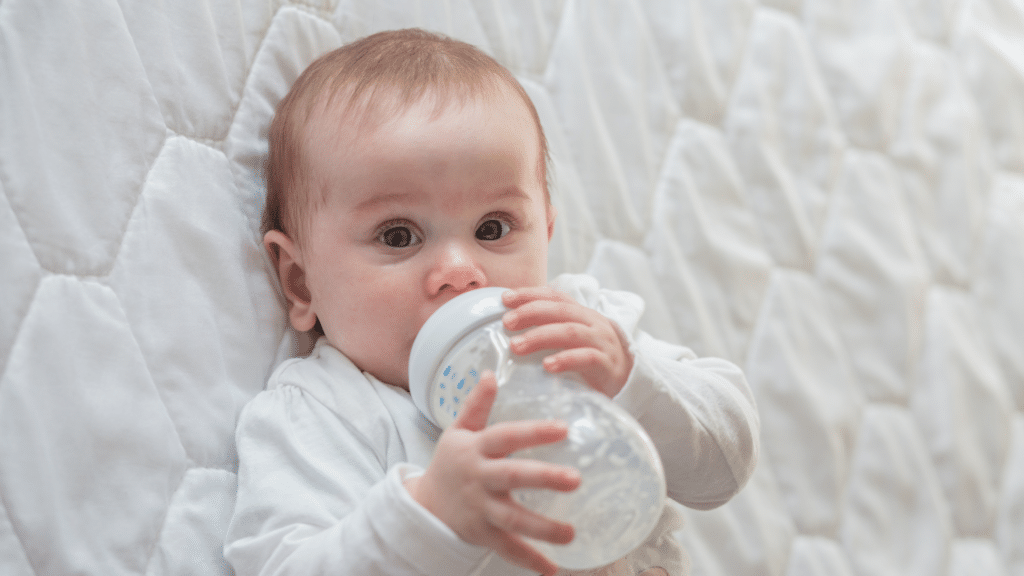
{"x": 456, "y": 270}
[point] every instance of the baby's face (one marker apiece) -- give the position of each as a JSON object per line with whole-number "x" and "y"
{"x": 417, "y": 212}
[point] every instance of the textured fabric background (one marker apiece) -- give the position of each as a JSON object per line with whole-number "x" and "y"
{"x": 829, "y": 193}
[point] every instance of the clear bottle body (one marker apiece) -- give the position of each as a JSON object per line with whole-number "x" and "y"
{"x": 622, "y": 491}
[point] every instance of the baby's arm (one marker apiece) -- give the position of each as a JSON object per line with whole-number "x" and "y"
{"x": 701, "y": 415}
{"x": 469, "y": 480}
{"x": 699, "y": 412}
{"x": 316, "y": 495}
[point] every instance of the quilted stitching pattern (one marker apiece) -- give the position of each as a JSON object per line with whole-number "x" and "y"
{"x": 828, "y": 193}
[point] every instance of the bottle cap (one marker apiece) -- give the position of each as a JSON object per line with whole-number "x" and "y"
{"x": 442, "y": 331}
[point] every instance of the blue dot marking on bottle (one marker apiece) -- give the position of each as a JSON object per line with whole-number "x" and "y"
{"x": 442, "y": 401}
{"x": 461, "y": 384}
{"x": 474, "y": 375}
{"x": 447, "y": 369}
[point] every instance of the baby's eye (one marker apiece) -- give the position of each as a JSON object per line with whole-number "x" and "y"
{"x": 492, "y": 229}
{"x": 398, "y": 237}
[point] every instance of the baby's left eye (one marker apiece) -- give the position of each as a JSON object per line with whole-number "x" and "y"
{"x": 492, "y": 230}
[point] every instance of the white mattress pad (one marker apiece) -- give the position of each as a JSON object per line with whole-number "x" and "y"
{"x": 829, "y": 194}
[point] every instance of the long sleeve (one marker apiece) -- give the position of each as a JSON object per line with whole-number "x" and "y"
{"x": 318, "y": 495}
{"x": 700, "y": 412}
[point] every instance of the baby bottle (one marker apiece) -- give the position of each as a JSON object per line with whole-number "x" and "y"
{"x": 622, "y": 491}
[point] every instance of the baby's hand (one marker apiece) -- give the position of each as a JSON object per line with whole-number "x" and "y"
{"x": 590, "y": 343}
{"x": 468, "y": 481}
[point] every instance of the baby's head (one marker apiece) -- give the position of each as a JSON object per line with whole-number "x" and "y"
{"x": 368, "y": 82}
{"x": 404, "y": 169}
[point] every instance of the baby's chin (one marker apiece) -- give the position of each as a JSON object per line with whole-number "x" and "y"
{"x": 391, "y": 378}
{"x": 401, "y": 380}
{"x": 394, "y": 372}
{"x": 398, "y": 378}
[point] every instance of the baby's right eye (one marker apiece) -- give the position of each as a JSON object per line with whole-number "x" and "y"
{"x": 398, "y": 237}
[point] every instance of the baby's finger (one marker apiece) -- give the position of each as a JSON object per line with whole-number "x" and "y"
{"x": 513, "y": 518}
{"x": 598, "y": 370}
{"x": 506, "y": 474}
{"x": 582, "y": 360}
{"x": 556, "y": 337}
{"x": 538, "y": 312}
{"x": 504, "y": 438}
{"x": 517, "y": 552}
{"x": 519, "y": 296}
{"x": 477, "y": 407}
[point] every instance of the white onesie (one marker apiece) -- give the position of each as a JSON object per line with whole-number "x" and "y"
{"x": 324, "y": 450}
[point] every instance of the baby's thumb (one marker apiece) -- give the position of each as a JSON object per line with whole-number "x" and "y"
{"x": 477, "y": 407}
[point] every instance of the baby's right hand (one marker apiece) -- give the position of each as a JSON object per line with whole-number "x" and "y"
{"x": 468, "y": 481}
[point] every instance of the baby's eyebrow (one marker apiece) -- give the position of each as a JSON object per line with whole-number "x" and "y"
{"x": 509, "y": 192}
{"x": 513, "y": 192}
{"x": 386, "y": 198}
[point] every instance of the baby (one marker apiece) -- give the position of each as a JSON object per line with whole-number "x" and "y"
{"x": 404, "y": 169}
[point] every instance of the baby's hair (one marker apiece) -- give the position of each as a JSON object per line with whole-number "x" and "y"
{"x": 376, "y": 78}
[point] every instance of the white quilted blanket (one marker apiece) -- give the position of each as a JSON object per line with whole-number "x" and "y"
{"x": 828, "y": 192}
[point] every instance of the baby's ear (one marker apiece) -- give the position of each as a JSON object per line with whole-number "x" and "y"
{"x": 287, "y": 259}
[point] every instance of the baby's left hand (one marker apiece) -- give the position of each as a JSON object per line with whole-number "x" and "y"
{"x": 589, "y": 343}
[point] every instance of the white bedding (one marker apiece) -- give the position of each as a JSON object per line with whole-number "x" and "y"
{"x": 828, "y": 192}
